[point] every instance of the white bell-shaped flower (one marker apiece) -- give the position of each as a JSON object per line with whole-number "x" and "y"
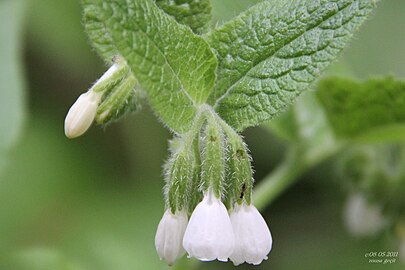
{"x": 253, "y": 239}
{"x": 169, "y": 236}
{"x": 362, "y": 218}
{"x": 81, "y": 115}
{"x": 209, "y": 234}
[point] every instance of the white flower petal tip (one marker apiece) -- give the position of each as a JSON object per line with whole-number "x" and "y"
{"x": 209, "y": 235}
{"x": 81, "y": 115}
{"x": 252, "y": 235}
{"x": 169, "y": 236}
{"x": 361, "y": 218}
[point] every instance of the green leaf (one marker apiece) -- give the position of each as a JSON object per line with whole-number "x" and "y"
{"x": 96, "y": 29}
{"x": 194, "y": 13}
{"x": 175, "y": 67}
{"x": 371, "y": 110}
{"x": 224, "y": 10}
{"x": 12, "y": 80}
{"x": 275, "y": 50}
{"x": 345, "y": 110}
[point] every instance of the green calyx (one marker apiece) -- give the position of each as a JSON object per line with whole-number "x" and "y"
{"x": 119, "y": 94}
{"x": 213, "y": 156}
{"x": 210, "y": 155}
{"x": 179, "y": 175}
{"x": 119, "y": 101}
{"x": 114, "y": 75}
{"x": 239, "y": 171}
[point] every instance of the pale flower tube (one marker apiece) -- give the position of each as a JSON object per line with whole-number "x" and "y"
{"x": 209, "y": 234}
{"x": 169, "y": 236}
{"x": 253, "y": 239}
{"x": 81, "y": 115}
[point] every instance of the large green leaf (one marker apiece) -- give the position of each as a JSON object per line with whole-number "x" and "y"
{"x": 11, "y": 77}
{"x": 370, "y": 110}
{"x": 96, "y": 28}
{"x": 224, "y": 10}
{"x": 194, "y": 13}
{"x": 175, "y": 67}
{"x": 345, "y": 110}
{"x": 275, "y": 50}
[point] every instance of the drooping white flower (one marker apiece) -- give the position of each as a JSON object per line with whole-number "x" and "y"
{"x": 362, "y": 218}
{"x": 81, "y": 115}
{"x": 169, "y": 236}
{"x": 253, "y": 239}
{"x": 209, "y": 234}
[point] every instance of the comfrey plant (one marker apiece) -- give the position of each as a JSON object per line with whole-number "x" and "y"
{"x": 207, "y": 85}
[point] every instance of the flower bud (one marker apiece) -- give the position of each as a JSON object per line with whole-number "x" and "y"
{"x": 81, "y": 114}
{"x": 169, "y": 236}
{"x": 113, "y": 103}
{"x": 253, "y": 239}
{"x": 209, "y": 234}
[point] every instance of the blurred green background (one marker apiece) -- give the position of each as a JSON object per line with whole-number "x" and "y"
{"x": 95, "y": 202}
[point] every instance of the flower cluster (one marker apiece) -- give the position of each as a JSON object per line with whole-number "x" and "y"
{"x": 209, "y": 179}
{"x": 213, "y": 234}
